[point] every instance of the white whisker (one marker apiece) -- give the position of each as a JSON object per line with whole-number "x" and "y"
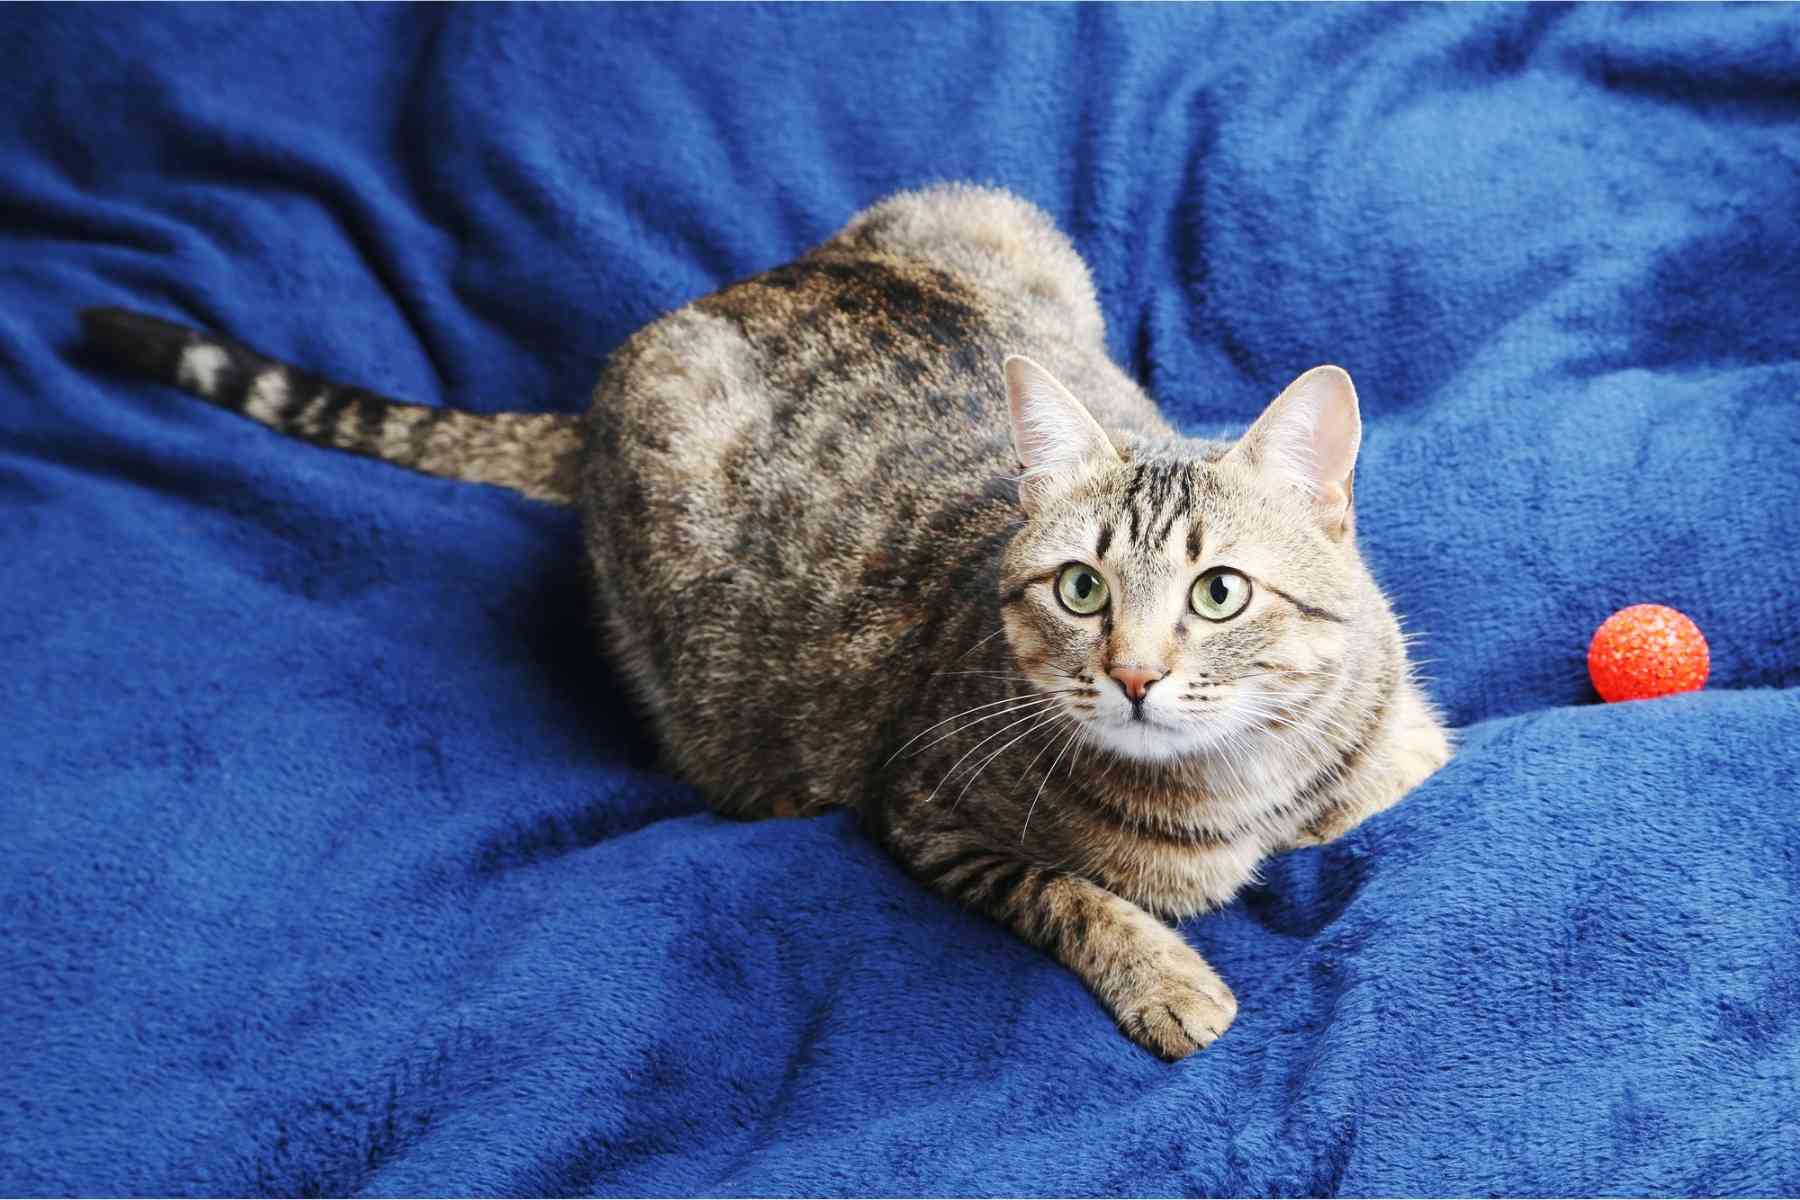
{"x": 978, "y": 645}
{"x": 1031, "y": 716}
{"x": 965, "y": 712}
{"x": 1034, "y": 760}
{"x": 1052, "y": 719}
{"x": 1047, "y": 774}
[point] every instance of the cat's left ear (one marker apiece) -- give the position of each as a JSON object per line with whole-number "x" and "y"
{"x": 1307, "y": 439}
{"x": 1056, "y": 439}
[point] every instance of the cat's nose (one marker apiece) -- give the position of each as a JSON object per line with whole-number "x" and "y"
{"x": 1135, "y": 680}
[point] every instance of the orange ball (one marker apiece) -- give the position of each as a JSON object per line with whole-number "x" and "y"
{"x": 1647, "y": 650}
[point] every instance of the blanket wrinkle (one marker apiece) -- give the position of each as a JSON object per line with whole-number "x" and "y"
{"x": 340, "y": 863}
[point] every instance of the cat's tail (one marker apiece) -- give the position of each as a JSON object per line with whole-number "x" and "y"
{"x": 538, "y": 454}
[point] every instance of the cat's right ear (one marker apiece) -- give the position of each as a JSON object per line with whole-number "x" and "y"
{"x": 1307, "y": 440}
{"x": 1057, "y": 441}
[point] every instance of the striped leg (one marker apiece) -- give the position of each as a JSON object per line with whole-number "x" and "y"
{"x": 1377, "y": 775}
{"x": 1164, "y": 995}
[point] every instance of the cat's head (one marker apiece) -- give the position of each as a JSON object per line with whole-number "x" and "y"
{"x": 1171, "y": 600}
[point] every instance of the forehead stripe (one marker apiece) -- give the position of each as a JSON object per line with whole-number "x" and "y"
{"x": 1163, "y": 495}
{"x": 1152, "y": 495}
{"x": 1137, "y": 482}
{"x": 1162, "y": 538}
{"x": 1165, "y": 486}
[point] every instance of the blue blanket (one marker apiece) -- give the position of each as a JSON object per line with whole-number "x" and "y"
{"x": 335, "y": 861}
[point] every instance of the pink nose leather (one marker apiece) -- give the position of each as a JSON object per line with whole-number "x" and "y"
{"x": 1135, "y": 680}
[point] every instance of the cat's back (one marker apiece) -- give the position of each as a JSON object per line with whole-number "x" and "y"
{"x": 790, "y": 477}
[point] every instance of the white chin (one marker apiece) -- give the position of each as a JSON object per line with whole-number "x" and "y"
{"x": 1141, "y": 740}
{"x": 1151, "y": 741}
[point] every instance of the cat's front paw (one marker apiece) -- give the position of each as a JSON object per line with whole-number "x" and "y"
{"x": 1183, "y": 1010}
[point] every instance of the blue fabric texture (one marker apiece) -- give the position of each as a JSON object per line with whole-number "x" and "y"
{"x": 335, "y": 861}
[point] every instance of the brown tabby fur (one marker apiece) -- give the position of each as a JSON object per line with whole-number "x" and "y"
{"x": 802, "y": 508}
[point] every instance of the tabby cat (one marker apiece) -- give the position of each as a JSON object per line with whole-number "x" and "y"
{"x": 886, "y": 528}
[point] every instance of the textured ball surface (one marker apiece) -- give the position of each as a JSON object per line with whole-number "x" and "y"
{"x": 1647, "y": 650}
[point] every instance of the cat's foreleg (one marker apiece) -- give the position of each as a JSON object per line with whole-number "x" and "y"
{"x": 1338, "y": 820}
{"x": 1163, "y": 995}
{"x": 1406, "y": 755}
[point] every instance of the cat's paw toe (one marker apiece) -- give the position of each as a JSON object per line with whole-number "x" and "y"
{"x": 1179, "y": 1016}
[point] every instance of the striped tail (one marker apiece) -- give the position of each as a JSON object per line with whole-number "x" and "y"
{"x": 537, "y": 454}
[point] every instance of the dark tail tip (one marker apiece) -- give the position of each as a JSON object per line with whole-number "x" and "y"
{"x": 135, "y": 342}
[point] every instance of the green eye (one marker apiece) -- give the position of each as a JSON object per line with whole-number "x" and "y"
{"x": 1081, "y": 589}
{"x": 1220, "y": 594}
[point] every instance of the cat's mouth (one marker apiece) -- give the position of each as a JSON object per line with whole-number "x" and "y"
{"x": 1142, "y": 720}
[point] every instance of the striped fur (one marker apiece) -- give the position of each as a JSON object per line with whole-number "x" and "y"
{"x": 537, "y": 454}
{"x": 802, "y": 506}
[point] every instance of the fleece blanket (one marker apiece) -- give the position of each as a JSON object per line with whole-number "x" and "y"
{"x": 336, "y": 863}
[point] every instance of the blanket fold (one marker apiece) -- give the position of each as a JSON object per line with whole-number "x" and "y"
{"x": 338, "y": 863}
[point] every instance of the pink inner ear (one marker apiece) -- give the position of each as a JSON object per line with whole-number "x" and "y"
{"x": 1337, "y": 432}
{"x": 1313, "y": 433}
{"x": 1053, "y": 434}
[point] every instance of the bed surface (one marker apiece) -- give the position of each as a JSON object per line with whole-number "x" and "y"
{"x": 336, "y": 863}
